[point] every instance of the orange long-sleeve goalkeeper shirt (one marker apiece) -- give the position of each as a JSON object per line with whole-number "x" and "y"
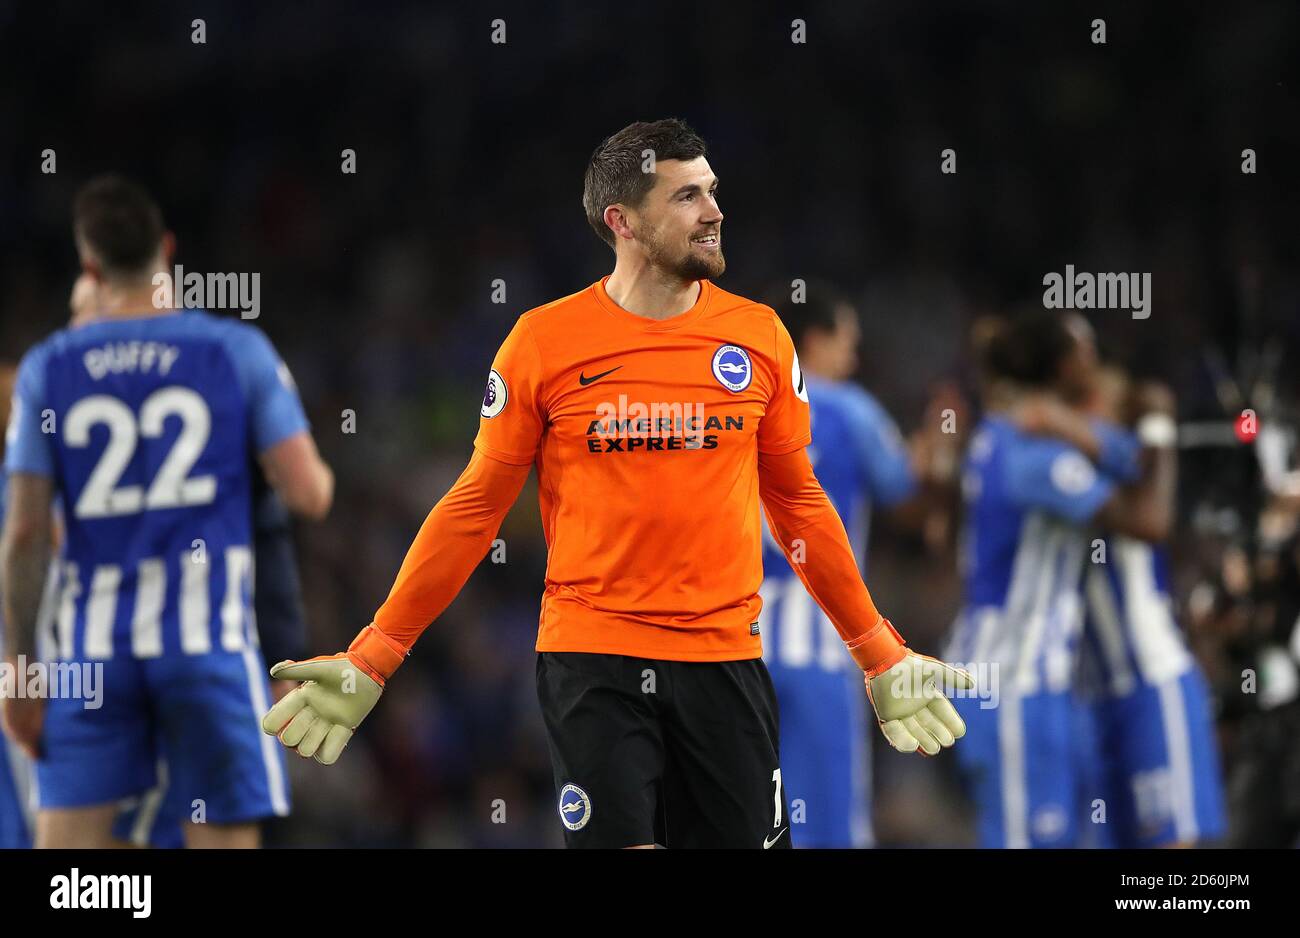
{"x": 655, "y": 443}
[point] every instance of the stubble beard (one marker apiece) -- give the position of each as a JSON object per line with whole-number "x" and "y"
{"x": 686, "y": 267}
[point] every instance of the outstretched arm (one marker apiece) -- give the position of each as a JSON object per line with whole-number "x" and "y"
{"x": 453, "y": 539}
{"x": 812, "y": 536}
{"x": 318, "y": 718}
{"x": 906, "y": 689}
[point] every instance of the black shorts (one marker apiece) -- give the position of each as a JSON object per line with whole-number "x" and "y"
{"x": 677, "y": 753}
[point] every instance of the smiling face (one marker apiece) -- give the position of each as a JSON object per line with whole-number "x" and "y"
{"x": 678, "y": 224}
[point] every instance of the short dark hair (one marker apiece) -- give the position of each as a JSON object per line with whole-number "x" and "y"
{"x": 614, "y": 172}
{"x": 1029, "y": 348}
{"x": 820, "y": 306}
{"x": 120, "y": 222}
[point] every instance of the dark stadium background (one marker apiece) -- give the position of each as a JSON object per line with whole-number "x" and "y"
{"x": 377, "y": 286}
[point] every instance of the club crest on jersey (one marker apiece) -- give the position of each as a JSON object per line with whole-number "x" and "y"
{"x": 494, "y": 398}
{"x": 732, "y": 368}
{"x": 575, "y": 807}
{"x": 1072, "y": 473}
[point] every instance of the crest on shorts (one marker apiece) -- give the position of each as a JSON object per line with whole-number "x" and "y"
{"x": 575, "y": 807}
{"x": 732, "y": 368}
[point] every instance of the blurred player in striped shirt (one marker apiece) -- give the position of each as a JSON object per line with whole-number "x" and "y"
{"x": 1034, "y": 505}
{"x": 142, "y": 424}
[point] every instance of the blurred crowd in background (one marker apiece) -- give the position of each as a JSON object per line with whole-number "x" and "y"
{"x": 378, "y": 288}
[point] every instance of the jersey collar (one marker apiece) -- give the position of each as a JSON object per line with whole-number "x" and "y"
{"x": 646, "y": 324}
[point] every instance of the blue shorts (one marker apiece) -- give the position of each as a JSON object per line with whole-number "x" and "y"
{"x": 1026, "y": 764}
{"x": 1160, "y": 764}
{"x": 825, "y": 755}
{"x": 154, "y": 819}
{"x": 14, "y": 831}
{"x": 199, "y": 715}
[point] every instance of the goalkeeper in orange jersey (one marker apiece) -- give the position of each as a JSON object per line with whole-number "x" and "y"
{"x": 660, "y": 412}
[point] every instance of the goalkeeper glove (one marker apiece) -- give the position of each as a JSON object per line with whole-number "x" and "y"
{"x": 317, "y": 718}
{"x": 904, "y": 689}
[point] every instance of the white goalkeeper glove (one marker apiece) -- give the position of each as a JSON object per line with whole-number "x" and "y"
{"x": 318, "y": 717}
{"x": 908, "y": 692}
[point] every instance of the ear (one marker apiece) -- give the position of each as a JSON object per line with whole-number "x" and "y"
{"x": 616, "y": 217}
{"x": 168, "y": 247}
{"x": 91, "y": 267}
